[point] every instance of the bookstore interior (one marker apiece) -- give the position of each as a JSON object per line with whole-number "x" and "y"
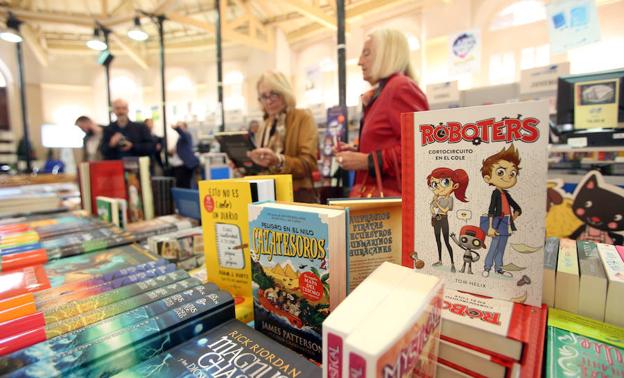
{"x": 253, "y": 188}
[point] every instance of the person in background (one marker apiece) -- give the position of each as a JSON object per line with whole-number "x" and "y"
{"x": 92, "y": 140}
{"x": 385, "y": 63}
{"x": 156, "y": 159}
{"x": 124, "y": 137}
{"x": 254, "y": 125}
{"x": 184, "y": 150}
{"x": 287, "y": 141}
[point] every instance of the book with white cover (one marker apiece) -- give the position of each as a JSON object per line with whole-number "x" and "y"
{"x": 472, "y": 360}
{"x": 593, "y": 282}
{"x": 614, "y": 267}
{"x": 567, "y": 282}
{"x": 352, "y": 311}
{"x": 405, "y": 323}
{"x": 474, "y": 185}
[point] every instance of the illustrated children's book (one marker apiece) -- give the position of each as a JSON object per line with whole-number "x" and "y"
{"x": 374, "y": 235}
{"x": 225, "y": 226}
{"x": 581, "y": 347}
{"x": 481, "y": 227}
{"x": 299, "y": 270}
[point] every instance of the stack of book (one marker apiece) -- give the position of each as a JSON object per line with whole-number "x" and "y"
{"x": 32, "y": 199}
{"x": 585, "y": 278}
{"x": 489, "y": 337}
{"x": 184, "y": 248}
{"x": 163, "y": 199}
{"x": 108, "y": 184}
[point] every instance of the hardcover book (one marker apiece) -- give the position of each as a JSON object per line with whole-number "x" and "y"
{"x": 299, "y": 270}
{"x": 593, "y": 282}
{"x": 374, "y": 235}
{"x": 197, "y": 357}
{"x": 485, "y": 169}
{"x": 567, "y": 281}
{"x": 477, "y": 363}
{"x": 139, "y": 187}
{"x": 614, "y": 268}
{"x": 400, "y": 337}
{"x": 106, "y": 179}
{"x": 551, "y": 253}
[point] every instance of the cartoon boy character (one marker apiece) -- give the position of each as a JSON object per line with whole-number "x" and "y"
{"x": 443, "y": 182}
{"x": 501, "y": 171}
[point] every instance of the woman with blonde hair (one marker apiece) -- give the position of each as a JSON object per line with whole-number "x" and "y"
{"x": 385, "y": 63}
{"x": 287, "y": 141}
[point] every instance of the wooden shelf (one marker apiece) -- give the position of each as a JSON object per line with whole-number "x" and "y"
{"x": 566, "y": 148}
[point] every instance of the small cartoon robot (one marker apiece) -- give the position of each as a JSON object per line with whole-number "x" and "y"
{"x": 471, "y": 238}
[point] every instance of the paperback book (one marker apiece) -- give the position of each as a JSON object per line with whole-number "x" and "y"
{"x": 299, "y": 270}
{"x": 138, "y": 184}
{"x": 78, "y": 338}
{"x": 485, "y": 169}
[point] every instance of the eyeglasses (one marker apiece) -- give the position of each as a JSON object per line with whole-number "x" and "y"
{"x": 269, "y": 96}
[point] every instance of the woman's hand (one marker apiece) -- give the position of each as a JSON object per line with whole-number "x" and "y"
{"x": 352, "y": 161}
{"x": 264, "y": 157}
{"x": 343, "y": 147}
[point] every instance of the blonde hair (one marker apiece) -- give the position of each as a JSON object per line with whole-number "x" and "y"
{"x": 278, "y": 83}
{"x": 391, "y": 54}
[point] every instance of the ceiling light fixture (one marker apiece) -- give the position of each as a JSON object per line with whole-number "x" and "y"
{"x": 97, "y": 42}
{"x": 137, "y": 33}
{"x": 11, "y": 33}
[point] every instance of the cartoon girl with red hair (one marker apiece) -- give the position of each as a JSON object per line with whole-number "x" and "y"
{"x": 443, "y": 182}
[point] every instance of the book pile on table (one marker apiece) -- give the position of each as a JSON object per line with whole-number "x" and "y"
{"x": 29, "y": 199}
{"x": 184, "y": 248}
{"x": 99, "y": 313}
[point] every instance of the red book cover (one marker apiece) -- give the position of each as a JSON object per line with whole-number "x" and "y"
{"x": 474, "y": 321}
{"x": 23, "y": 259}
{"x": 22, "y": 340}
{"x": 107, "y": 179}
{"x": 21, "y": 281}
{"x": 534, "y": 350}
{"x": 20, "y": 325}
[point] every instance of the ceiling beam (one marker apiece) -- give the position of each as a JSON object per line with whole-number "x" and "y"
{"x": 164, "y": 6}
{"x": 57, "y": 18}
{"x": 32, "y": 40}
{"x": 104, "y": 4}
{"x": 228, "y": 34}
{"x": 120, "y": 7}
{"x": 313, "y": 13}
{"x": 129, "y": 50}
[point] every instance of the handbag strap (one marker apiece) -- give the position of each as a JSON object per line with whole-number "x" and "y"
{"x": 397, "y": 170}
{"x": 378, "y": 175}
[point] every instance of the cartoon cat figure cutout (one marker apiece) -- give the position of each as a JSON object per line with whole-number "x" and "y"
{"x": 600, "y": 207}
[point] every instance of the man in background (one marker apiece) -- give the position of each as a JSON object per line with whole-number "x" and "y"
{"x": 184, "y": 150}
{"x": 92, "y": 139}
{"x": 156, "y": 163}
{"x": 124, "y": 137}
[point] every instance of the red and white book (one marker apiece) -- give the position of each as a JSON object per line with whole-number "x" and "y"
{"x": 476, "y": 363}
{"x": 499, "y": 328}
{"x": 401, "y": 336}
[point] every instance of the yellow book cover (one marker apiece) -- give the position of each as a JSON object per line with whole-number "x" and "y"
{"x": 568, "y": 261}
{"x": 224, "y": 207}
{"x": 596, "y": 104}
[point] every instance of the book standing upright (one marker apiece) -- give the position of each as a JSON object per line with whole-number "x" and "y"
{"x": 474, "y": 191}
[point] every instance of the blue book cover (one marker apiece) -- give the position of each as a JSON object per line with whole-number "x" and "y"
{"x": 299, "y": 271}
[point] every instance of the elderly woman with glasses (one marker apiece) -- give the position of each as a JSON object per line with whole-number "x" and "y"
{"x": 287, "y": 141}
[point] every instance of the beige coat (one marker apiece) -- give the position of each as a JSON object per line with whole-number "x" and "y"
{"x": 300, "y": 147}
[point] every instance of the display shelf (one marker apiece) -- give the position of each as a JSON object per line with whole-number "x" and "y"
{"x": 567, "y": 148}
{"x": 576, "y": 178}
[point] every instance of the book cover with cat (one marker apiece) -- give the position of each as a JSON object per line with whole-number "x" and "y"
{"x": 474, "y": 189}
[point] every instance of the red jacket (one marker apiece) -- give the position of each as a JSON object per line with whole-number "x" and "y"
{"x": 381, "y": 128}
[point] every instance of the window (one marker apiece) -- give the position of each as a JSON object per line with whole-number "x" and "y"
{"x": 502, "y": 68}
{"x": 519, "y": 13}
{"x": 537, "y": 56}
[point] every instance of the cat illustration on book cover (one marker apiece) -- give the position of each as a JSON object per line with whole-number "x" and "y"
{"x": 443, "y": 182}
{"x": 600, "y": 207}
